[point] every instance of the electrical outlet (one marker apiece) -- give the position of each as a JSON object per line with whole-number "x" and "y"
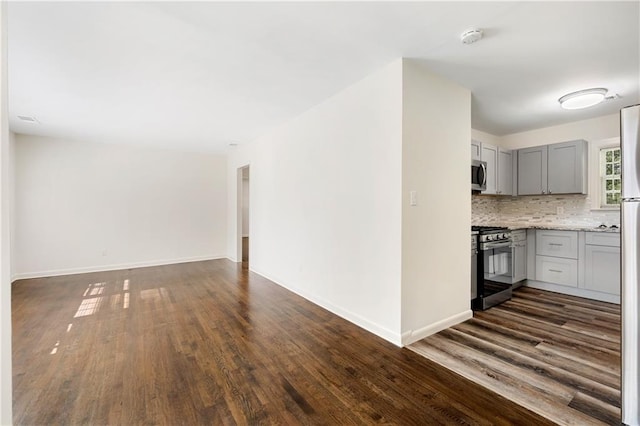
{"x": 559, "y": 210}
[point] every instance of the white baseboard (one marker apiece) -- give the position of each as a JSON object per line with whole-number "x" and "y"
{"x": 352, "y": 317}
{"x": 412, "y": 336}
{"x": 115, "y": 267}
{"x": 574, "y": 291}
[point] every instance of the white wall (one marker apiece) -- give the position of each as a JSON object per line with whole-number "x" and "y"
{"x": 5, "y": 237}
{"x": 89, "y": 206}
{"x": 326, "y": 203}
{"x": 486, "y": 137}
{"x": 12, "y": 200}
{"x": 594, "y": 129}
{"x": 435, "y": 233}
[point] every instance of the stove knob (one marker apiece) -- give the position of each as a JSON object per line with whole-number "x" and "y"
{"x": 489, "y": 237}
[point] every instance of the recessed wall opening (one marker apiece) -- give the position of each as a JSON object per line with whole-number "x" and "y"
{"x": 243, "y": 215}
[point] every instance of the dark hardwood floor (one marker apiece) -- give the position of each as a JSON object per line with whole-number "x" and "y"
{"x": 211, "y": 343}
{"x": 555, "y": 354}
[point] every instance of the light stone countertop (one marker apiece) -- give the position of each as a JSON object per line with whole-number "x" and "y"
{"x": 514, "y": 226}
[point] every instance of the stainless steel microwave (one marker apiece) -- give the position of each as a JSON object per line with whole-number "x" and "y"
{"x": 478, "y": 175}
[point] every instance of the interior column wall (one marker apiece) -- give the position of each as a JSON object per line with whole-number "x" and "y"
{"x": 325, "y": 203}
{"x": 435, "y": 232}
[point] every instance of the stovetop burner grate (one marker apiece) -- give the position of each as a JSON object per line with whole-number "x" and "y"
{"x": 489, "y": 228}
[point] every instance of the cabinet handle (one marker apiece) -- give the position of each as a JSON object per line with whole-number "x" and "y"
{"x": 543, "y": 192}
{"x": 555, "y": 244}
{"x": 549, "y": 191}
{"x": 555, "y": 270}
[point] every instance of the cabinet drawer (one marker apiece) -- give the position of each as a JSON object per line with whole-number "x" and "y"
{"x": 557, "y": 243}
{"x": 603, "y": 239}
{"x": 557, "y": 270}
{"x": 519, "y": 235}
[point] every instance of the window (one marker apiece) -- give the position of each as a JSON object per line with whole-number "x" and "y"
{"x": 610, "y": 177}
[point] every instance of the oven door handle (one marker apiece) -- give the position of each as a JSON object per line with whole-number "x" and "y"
{"x": 489, "y": 246}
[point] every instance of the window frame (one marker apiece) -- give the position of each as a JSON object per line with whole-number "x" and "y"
{"x": 613, "y": 177}
{"x": 595, "y": 180}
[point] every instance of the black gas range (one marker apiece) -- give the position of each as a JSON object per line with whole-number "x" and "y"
{"x": 494, "y": 267}
{"x": 492, "y": 233}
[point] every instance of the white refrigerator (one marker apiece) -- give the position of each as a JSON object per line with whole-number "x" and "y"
{"x": 630, "y": 146}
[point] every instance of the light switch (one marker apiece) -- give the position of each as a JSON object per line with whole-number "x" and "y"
{"x": 413, "y": 198}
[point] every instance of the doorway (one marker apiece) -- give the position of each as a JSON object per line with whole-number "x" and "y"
{"x": 243, "y": 215}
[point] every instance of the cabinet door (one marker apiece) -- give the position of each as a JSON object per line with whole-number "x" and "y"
{"x": 489, "y": 153}
{"x": 602, "y": 271}
{"x": 567, "y": 168}
{"x": 532, "y": 170}
{"x": 475, "y": 150}
{"x": 505, "y": 170}
{"x": 519, "y": 260}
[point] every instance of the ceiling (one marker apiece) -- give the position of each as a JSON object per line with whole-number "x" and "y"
{"x": 204, "y": 75}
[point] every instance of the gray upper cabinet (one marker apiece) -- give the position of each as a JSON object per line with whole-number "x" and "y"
{"x": 567, "y": 168}
{"x": 559, "y": 168}
{"x": 475, "y": 150}
{"x": 532, "y": 170}
{"x": 499, "y": 168}
{"x": 489, "y": 154}
{"x": 505, "y": 172}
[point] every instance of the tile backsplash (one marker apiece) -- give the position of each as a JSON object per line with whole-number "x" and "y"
{"x": 539, "y": 210}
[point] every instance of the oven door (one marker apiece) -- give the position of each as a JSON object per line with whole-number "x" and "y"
{"x": 497, "y": 264}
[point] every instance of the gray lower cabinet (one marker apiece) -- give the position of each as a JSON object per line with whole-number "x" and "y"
{"x": 559, "y": 168}
{"x": 557, "y": 270}
{"x": 519, "y": 255}
{"x": 557, "y": 257}
{"x": 602, "y": 262}
{"x": 580, "y": 263}
{"x": 557, "y": 243}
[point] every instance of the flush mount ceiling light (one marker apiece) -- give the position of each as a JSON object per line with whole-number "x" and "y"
{"x": 583, "y": 98}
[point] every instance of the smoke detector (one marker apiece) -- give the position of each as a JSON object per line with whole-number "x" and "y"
{"x": 471, "y": 36}
{"x": 28, "y": 119}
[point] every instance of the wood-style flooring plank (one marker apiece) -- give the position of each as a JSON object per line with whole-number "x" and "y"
{"x": 209, "y": 343}
{"x": 503, "y": 337}
{"x": 555, "y": 354}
